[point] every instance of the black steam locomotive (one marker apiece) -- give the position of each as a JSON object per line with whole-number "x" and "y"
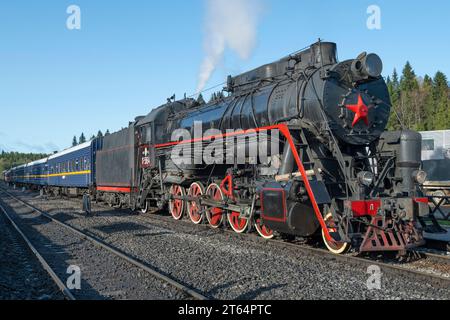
{"x": 327, "y": 163}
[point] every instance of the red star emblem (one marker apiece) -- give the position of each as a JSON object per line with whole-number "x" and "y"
{"x": 361, "y": 111}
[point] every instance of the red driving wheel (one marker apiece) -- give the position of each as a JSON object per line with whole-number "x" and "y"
{"x": 195, "y": 211}
{"x": 176, "y": 205}
{"x": 263, "y": 230}
{"x": 213, "y": 214}
{"x": 238, "y": 224}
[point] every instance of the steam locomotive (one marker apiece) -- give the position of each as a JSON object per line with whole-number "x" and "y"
{"x": 328, "y": 165}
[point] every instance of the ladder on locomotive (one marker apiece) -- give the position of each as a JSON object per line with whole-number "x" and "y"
{"x": 306, "y": 155}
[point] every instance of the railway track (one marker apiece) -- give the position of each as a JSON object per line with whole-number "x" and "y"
{"x": 439, "y": 281}
{"x": 429, "y": 255}
{"x": 436, "y": 280}
{"x": 433, "y": 279}
{"x": 62, "y": 287}
{"x": 155, "y": 273}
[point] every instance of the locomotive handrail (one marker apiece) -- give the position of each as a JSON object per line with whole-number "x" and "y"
{"x": 285, "y": 131}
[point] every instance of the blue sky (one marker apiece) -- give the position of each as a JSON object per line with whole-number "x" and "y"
{"x": 129, "y": 56}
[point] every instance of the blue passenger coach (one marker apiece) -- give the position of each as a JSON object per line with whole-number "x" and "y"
{"x": 72, "y": 168}
{"x": 36, "y": 172}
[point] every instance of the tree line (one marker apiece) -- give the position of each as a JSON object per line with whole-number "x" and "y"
{"x": 418, "y": 103}
{"x": 82, "y": 138}
{"x": 10, "y": 160}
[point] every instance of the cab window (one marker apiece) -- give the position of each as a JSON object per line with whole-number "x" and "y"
{"x": 146, "y": 134}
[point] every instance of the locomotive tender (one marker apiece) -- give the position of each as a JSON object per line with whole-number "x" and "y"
{"x": 338, "y": 171}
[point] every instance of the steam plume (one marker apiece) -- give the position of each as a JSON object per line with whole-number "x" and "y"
{"x": 229, "y": 24}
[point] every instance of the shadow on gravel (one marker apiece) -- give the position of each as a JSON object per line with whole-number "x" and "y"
{"x": 156, "y": 234}
{"x": 121, "y": 227}
{"x": 253, "y": 295}
{"x": 64, "y": 217}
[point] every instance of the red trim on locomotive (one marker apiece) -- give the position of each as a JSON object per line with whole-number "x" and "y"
{"x": 284, "y": 129}
{"x": 227, "y": 186}
{"x": 284, "y": 219}
{"x": 114, "y": 189}
{"x": 421, "y": 200}
{"x": 365, "y": 208}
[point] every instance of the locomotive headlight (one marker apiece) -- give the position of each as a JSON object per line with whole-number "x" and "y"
{"x": 366, "y": 178}
{"x": 373, "y": 66}
{"x": 420, "y": 176}
{"x": 367, "y": 65}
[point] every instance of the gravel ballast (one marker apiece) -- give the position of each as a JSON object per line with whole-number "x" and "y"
{"x": 225, "y": 266}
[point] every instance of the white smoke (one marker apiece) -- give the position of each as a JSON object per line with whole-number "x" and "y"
{"x": 229, "y": 24}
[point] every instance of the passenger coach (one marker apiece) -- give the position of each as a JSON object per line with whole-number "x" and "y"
{"x": 71, "y": 169}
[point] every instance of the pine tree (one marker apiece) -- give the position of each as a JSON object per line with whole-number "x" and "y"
{"x": 82, "y": 138}
{"x": 107, "y": 133}
{"x": 100, "y": 134}
{"x": 428, "y": 105}
{"x": 408, "y": 103}
{"x": 408, "y": 81}
{"x": 441, "y": 101}
{"x": 74, "y": 141}
{"x": 394, "y": 92}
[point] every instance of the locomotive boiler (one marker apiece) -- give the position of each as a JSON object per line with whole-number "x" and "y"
{"x": 338, "y": 172}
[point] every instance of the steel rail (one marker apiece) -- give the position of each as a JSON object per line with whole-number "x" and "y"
{"x": 65, "y": 291}
{"x": 191, "y": 292}
{"x": 440, "y": 258}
